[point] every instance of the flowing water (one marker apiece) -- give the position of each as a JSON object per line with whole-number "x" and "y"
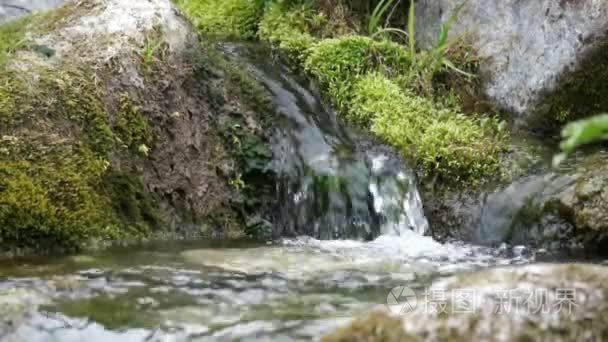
{"x": 354, "y": 222}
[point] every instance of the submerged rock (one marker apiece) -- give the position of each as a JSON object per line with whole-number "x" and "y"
{"x": 530, "y": 303}
{"x": 527, "y": 49}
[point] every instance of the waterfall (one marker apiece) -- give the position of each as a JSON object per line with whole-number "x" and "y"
{"x": 334, "y": 182}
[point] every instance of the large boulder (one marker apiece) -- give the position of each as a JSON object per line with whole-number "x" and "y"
{"x": 527, "y": 49}
{"x": 115, "y": 125}
{"x": 531, "y": 303}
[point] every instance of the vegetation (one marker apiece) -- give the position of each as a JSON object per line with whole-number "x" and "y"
{"x": 235, "y": 18}
{"x": 55, "y": 166}
{"x": 131, "y": 127}
{"x": 288, "y": 27}
{"x": 377, "y": 83}
{"x": 374, "y": 84}
{"x": 12, "y": 36}
{"x": 443, "y": 142}
{"x": 582, "y": 132}
{"x": 58, "y": 189}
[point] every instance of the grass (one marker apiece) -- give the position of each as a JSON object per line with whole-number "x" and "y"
{"x": 12, "y": 37}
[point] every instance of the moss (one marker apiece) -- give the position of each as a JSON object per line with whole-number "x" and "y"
{"x": 234, "y": 18}
{"x": 377, "y": 326}
{"x": 130, "y": 202}
{"x": 53, "y": 205}
{"x": 338, "y": 63}
{"x": 131, "y": 127}
{"x": 287, "y": 27}
{"x": 442, "y": 142}
{"x": 57, "y": 188}
{"x": 12, "y": 37}
{"x": 67, "y": 95}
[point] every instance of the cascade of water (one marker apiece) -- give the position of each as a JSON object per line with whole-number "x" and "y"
{"x": 334, "y": 182}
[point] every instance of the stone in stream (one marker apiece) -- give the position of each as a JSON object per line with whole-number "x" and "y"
{"x": 529, "y": 49}
{"x": 540, "y": 302}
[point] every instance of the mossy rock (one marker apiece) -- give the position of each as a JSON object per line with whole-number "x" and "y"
{"x": 116, "y": 144}
{"x": 545, "y": 303}
{"x": 56, "y": 163}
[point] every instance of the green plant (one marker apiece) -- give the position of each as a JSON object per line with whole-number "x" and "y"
{"x": 235, "y": 18}
{"x": 338, "y": 63}
{"x": 287, "y": 28}
{"x": 441, "y": 141}
{"x": 438, "y": 53}
{"x": 150, "y": 51}
{"x": 580, "y": 133}
{"x": 131, "y": 127}
{"x": 377, "y": 15}
{"x": 57, "y": 185}
{"x": 12, "y": 37}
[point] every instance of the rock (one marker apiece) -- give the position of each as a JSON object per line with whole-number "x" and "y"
{"x": 17, "y": 306}
{"x": 109, "y": 130}
{"x": 540, "y": 302}
{"x": 526, "y": 48}
{"x": 18, "y": 8}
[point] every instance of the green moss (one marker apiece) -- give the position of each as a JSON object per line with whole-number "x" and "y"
{"x": 287, "y": 27}
{"x": 130, "y": 202}
{"x": 377, "y": 326}
{"x": 66, "y": 95}
{"x": 57, "y": 191}
{"x": 442, "y": 142}
{"x": 235, "y": 18}
{"x": 131, "y": 127}
{"x": 53, "y": 205}
{"x": 338, "y": 63}
{"x": 12, "y": 37}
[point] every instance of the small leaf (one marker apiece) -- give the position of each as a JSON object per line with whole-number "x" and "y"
{"x": 143, "y": 149}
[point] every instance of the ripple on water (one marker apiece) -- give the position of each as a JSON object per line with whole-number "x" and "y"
{"x": 297, "y": 289}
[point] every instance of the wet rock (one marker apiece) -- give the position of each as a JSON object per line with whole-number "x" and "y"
{"x": 526, "y": 48}
{"x": 16, "y": 306}
{"x": 531, "y": 303}
{"x": 557, "y": 210}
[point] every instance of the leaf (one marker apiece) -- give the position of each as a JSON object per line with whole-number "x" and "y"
{"x": 377, "y": 14}
{"x": 582, "y": 132}
{"x": 411, "y": 28}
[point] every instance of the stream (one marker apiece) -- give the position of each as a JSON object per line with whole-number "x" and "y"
{"x": 296, "y": 289}
{"x": 351, "y": 228}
